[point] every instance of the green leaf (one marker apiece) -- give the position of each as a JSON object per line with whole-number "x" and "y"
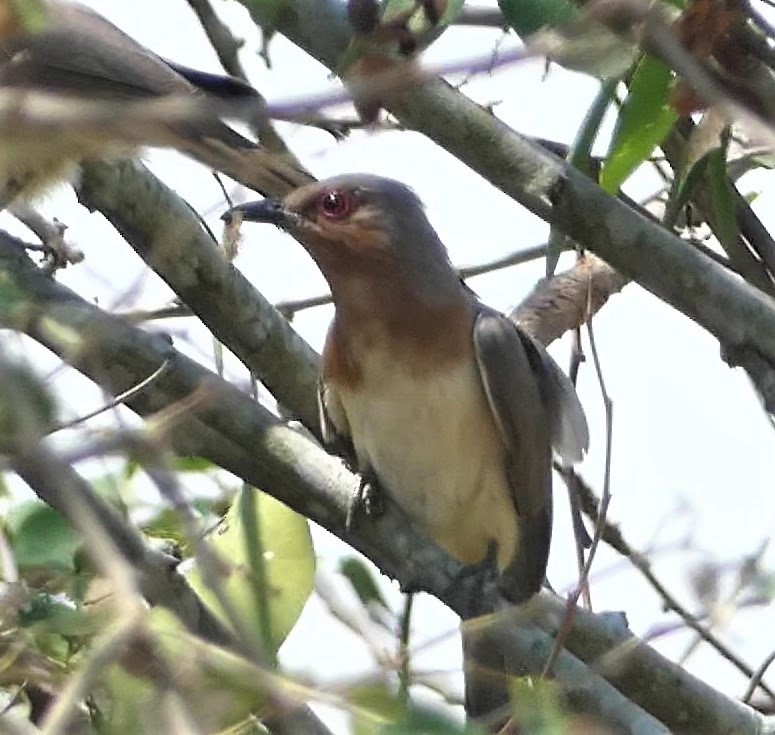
{"x": 378, "y": 711}
{"x": 684, "y": 186}
{"x": 48, "y": 616}
{"x": 42, "y": 538}
{"x": 166, "y": 525}
{"x": 580, "y": 157}
{"x": 644, "y": 120}
{"x": 219, "y": 688}
{"x": 363, "y": 582}
{"x": 267, "y": 551}
{"x": 192, "y": 464}
{"x": 536, "y": 706}
{"x": 528, "y": 16}
{"x": 722, "y": 200}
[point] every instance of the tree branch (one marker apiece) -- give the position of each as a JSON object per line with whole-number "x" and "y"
{"x": 167, "y": 234}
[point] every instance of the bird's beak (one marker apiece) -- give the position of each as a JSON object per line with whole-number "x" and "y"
{"x": 270, "y": 211}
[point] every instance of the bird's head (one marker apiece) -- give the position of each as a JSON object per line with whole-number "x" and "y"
{"x": 360, "y": 225}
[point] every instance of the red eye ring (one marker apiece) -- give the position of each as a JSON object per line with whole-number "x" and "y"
{"x": 335, "y": 204}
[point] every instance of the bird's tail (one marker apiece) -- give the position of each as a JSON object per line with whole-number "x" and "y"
{"x": 271, "y": 173}
{"x": 487, "y": 699}
{"x": 492, "y": 661}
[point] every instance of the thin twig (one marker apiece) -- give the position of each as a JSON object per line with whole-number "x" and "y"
{"x": 404, "y": 669}
{"x": 166, "y": 312}
{"x": 613, "y": 536}
{"x": 580, "y": 535}
{"x": 523, "y": 255}
{"x": 600, "y": 523}
{"x": 117, "y": 401}
{"x": 756, "y": 679}
{"x": 227, "y": 48}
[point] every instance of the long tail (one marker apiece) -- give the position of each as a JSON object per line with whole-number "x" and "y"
{"x": 270, "y": 173}
{"x": 487, "y": 674}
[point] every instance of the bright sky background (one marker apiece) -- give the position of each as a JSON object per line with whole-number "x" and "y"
{"x": 693, "y": 450}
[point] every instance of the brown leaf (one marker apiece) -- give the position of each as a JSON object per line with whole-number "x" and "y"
{"x": 705, "y": 25}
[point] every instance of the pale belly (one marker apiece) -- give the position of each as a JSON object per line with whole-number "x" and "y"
{"x": 435, "y": 448}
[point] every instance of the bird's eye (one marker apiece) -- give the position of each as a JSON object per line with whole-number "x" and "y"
{"x": 335, "y": 204}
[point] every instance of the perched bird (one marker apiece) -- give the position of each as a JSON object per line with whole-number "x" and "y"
{"x": 451, "y": 407}
{"x": 79, "y": 53}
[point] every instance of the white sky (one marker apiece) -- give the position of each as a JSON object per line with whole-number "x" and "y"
{"x": 693, "y": 451}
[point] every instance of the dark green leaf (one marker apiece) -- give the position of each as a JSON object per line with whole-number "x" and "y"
{"x": 528, "y": 16}
{"x": 378, "y": 711}
{"x": 722, "y": 200}
{"x": 684, "y": 186}
{"x": 363, "y": 581}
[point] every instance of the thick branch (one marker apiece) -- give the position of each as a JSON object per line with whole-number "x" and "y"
{"x": 166, "y": 233}
{"x": 565, "y": 301}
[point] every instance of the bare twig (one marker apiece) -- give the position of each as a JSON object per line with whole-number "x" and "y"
{"x": 600, "y": 522}
{"x": 524, "y": 255}
{"x": 615, "y": 539}
{"x": 404, "y": 660}
{"x": 51, "y": 234}
{"x": 757, "y": 677}
{"x": 117, "y": 401}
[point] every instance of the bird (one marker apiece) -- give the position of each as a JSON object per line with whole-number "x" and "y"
{"x": 450, "y": 406}
{"x": 81, "y": 55}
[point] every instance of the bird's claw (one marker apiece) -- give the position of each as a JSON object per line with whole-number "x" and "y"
{"x": 477, "y": 577}
{"x": 367, "y": 498}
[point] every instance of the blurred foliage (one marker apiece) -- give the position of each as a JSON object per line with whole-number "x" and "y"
{"x": 268, "y": 566}
{"x": 528, "y": 16}
{"x": 378, "y": 710}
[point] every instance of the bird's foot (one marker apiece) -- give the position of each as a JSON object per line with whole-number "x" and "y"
{"x": 476, "y": 578}
{"x": 368, "y": 498}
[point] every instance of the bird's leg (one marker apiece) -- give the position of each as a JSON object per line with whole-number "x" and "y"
{"x": 367, "y": 498}
{"x": 476, "y": 577}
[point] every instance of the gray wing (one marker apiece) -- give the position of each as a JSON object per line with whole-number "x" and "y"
{"x": 567, "y": 422}
{"x": 517, "y": 407}
{"x": 333, "y": 425}
{"x": 535, "y": 407}
{"x": 80, "y": 51}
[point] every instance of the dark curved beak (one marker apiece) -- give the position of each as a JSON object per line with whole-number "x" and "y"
{"x": 266, "y": 210}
